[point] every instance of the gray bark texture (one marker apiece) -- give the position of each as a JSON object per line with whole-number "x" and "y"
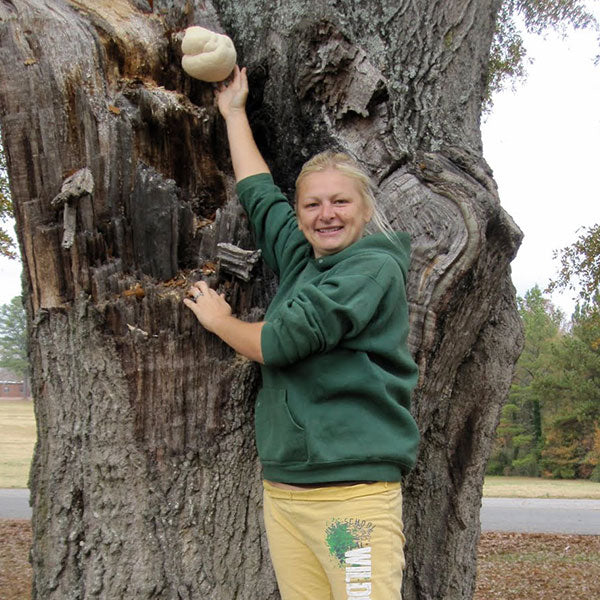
{"x": 145, "y": 482}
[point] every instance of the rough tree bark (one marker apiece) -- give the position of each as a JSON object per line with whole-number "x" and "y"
{"x": 145, "y": 482}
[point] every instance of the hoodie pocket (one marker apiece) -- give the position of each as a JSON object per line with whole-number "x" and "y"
{"x": 279, "y": 438}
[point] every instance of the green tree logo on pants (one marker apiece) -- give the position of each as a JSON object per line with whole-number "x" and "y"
{"x": 341, "y": 536}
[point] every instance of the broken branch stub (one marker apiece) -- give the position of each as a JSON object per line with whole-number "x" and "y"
{"x": 81, "y": 183}
{"x": 74, "y": 187}
{"x": 236, "y": 261}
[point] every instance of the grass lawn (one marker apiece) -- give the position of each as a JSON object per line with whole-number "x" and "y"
{"x": 17, "y": 438}
{"x": 534, "y": 487}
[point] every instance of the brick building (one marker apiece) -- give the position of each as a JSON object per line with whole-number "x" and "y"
{"x": 12, "y": 385}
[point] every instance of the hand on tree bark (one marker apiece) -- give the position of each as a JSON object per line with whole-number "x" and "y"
{"x": 214, "y": 314}
{"x": 207, "y": 305}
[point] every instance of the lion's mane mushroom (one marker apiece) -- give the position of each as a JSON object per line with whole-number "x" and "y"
{"x": 207, "y": 55}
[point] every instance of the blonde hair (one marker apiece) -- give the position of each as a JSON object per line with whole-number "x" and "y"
{"x": 340, "y": 161}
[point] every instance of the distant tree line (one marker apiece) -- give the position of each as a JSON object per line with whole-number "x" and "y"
{"x": 13, "y": 337}
{"x": 550, "y": 426}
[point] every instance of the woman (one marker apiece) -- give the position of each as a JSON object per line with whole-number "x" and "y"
{"x": 333, "y": 428}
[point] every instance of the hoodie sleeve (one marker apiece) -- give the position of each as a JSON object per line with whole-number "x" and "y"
{"x": 320, "y": 316}
{"x": 272, "y": 219}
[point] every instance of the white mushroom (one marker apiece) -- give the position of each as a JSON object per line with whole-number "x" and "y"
{"x": 207, "y": 55}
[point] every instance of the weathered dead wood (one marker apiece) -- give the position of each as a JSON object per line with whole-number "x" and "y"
{"x": 145, "y": 482}
{"x": 237, "y": 261}
{"x": 77, "y": 187}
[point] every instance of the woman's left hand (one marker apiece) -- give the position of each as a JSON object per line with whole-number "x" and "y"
{"x": 207, "y": 305}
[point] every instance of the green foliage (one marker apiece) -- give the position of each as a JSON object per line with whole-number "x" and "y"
{"x": 508, "y": 55}
{"x": 527, "y": 466}
{"x": 573, "y": 399}
{"x": 550, "y": 425}
{"x": 13, "y": 337}
{"x": 593, "y": 458}
{"x": 7, "y": 245}
{"x": 519, "y": 434}
{"x": 563, "y": 452}
{"x": 541, "y": 15}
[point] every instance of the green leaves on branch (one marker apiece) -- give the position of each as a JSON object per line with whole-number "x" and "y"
{"x": 540, "y": 15}
{"x": 508, "y": 53}
{"x": 580, "y": 266}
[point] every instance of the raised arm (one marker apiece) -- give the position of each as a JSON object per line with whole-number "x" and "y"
{"x": 210, "y": 308}
{"x": 231, "y": 99}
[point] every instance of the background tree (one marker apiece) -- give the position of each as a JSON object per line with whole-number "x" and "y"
{"x": 519, "y": 439}
{"x": 13, "y": 337}
{"x": 145, "y": 482}
{"x": 573, "y": 448}
{"x": 572, "y": 391}
{"x": 550, "y": 425}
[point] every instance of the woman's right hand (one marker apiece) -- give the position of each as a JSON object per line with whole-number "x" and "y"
{"x": 231, "y": 97}
{"x": 231, "y": 100}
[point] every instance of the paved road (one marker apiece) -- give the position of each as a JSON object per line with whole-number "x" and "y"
{"x": 537, "y": 515}
{"x": 497, "y": 514}
{"x": 14, "y": 504}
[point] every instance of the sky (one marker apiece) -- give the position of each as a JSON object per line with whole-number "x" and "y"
{"x": 542, "y": 141}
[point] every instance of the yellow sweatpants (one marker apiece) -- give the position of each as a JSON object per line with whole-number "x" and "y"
{"x": 336, "y": 543}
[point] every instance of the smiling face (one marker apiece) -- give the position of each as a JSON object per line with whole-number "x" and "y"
{"x": 331, "y": 211}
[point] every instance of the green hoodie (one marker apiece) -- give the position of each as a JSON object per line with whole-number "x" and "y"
{"x": 338, "y": 374}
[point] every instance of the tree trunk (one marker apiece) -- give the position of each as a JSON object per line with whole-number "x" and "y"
{"x": 145, "y": 482}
